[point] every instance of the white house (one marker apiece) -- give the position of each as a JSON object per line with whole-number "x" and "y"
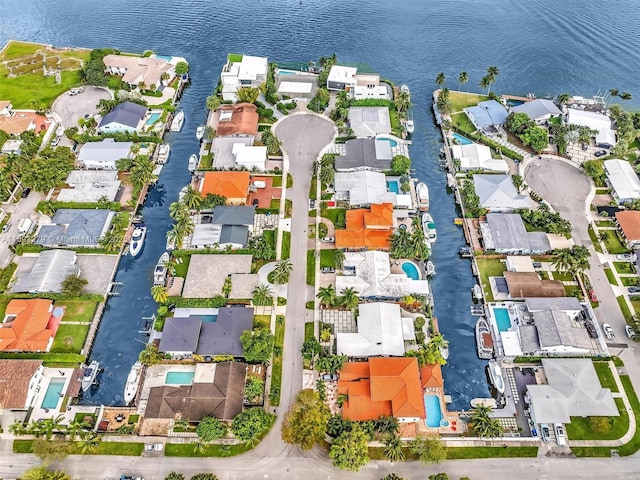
{"x": 242, "y": 71}
{"x": 623, "y": 180}
{"x": 11, "y": 147}
{"x": 125, "y": 117}
{"x": 103, "y": 155}
{"x": 478, "y": 157}
{"x": 605, "y": 137}
{"x": 90, "y": 186}
{"x": 368, "y": 86}
{"x": 498, "y": 194}
{"x": 250, "y": 157}
{"x": 341, "y": 78}
{"x": 363, "y": 188}
{"x": 136, "y": 70}
{"x": 539, "y": 110}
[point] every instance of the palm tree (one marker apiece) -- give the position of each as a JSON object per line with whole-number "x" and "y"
{"x": 482, "y": 423}
{"x": 626, "y": 96}
{"x": 75, "y": 427}
{"x": 402, "y": 102}
{"x": 463, "y": 77}
{"x": 89, "y": 442}
{"x": 485, "y": 82}
{"x": 393, "y": 448}
{"x": 178, "y": 211}
{"x": 213, "y": 102}
{"x": 282, "y": 271}
{"x": 327, "y": 174}
{"x": 209, "y": 133}
{"x": 192, "y": 198}
{"x": 563, "y": 98}
{"x": 159, "y": 293}
{"x": 247, "y": 94}
{"x": 141, "y": 172}
{"x": 614, "y": 92}
{"x": 441, "y": 79}
{"x": 326, "y": 295}
{"x": 338, "y": 258}
{"x": 272, "y": 142}
{"x": 199, "y": 446}
{"x": 349, "y": 298}
{"x": 492, "y": 73}
{"x": 262, "y": 295}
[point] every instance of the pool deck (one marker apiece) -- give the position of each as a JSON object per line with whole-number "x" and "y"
{"x": 456, "y": 426}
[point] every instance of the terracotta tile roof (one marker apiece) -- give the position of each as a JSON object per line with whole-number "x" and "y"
{"x": 629, "y": 221}
{"x": 15, "y": 124}
{"x": 367, "y": 228}
{"x": 227, "y": 184}
{"x": 31, "y": 329}
{"x": 238, "y": 119}
{"x": 4, "y": 104}
{"x": 15, "y": 376}
{"x": 431, "y": 375}
{"x": 146, "y": 69}
{"x": 529, "y": 284}
{"x": 381, "y": 386}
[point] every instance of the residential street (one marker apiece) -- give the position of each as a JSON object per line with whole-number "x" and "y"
{"x": 23, "y": 208}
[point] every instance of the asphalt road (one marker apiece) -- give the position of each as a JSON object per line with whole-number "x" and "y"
{"x": 22, "y": 209}
{"x": 68, "y": 109}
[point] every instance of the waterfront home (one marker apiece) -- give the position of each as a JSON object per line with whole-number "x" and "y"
{"x": 505, "y": 233}
{"x": 382, "y": 331}
{"x": 497, "y": 193}
{"x": 5, "y": 108}
{"x": 629, "y": 223}
{"x": 17, "y": 123}
{"x": 126, "y": 117}
{"x": 90, "y": 186}
{"x": 19, "y": 383}
{"x": 529, "y": 284}
{"x": 573, "y": 389}
{"x": 539, "y": 110}
{"x": 234, "y": 186}
{"x": 368, "y": 122}
{"x": 365, "y": 154}
{"x": 12, "y": 147}
{"x": 369, "y": 274}
{"x": 215, "y": 268}
{"x": 242, "y": 71}
{"x": 624, "y": 182}
{"x": 601, "y": 123}
{"x": 148, "y": 71}
{"x": 48, "y": 272}
{"x": 365, "y": 187}
{"x": 252, "y": 158}
{"x": 367, "y": 228}
{"x": 360, "y": 86}
{"x": 224, "y": 149}
{"x": 238, "y": 120}
{"x": 75, "y": 227}
{"x": 207, "y": 335}
{"x": 228, "y": 227}
{"x": 103, "y": 155}
{"x": 29, "y": 325}
{"x": 487, "y": 116}
{"x": 474, "y": 156}
{"x": 341, "y": 78}
{"x": 382, "y": 387}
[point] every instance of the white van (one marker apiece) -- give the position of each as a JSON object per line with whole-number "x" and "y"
{"x": 258, "y": 184}
{"x": 24, "y": 226}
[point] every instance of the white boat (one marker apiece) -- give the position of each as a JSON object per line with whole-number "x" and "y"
{"x": 405, "y": 89}
{"x": 484, "y": 340}
{"x": 137, "y": 240}
{"x": 160, "y": 272}
{"x": 495, "y": 374}
{"x": 163, "y": 153}
{"x": 487, "y": 402}
{"x": 200, "y": 132}
{"x": 444, "y": 351}
{"x": 451, "y": 181}
{"x": 408, "y": 124}
{"x": 430, "y": 268}
{"x": 133, "y": 380}
{"x": 89, "y": 375}
{"x": 178, "y": 120}
{"x": 429, "y": 227}
{"x": 477, "y": 292}
{"x": 422, "y": 193}
{"x": 193, "y": 163}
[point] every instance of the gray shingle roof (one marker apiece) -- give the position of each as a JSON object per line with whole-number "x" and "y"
{"x": 238, "y": 234}
{"x": 222, "y": 337}
{"x": 233, "y": 215}
{"x": 107, "y": 150}
{"x": 180, "y": 334}
{"x": 48, "y": 272}
{"x": 506, "y": 231}
{"x": 487, "y": 113}
{"x": 79, "y": 227}
{"x": 538, "y": 108}
{"x": 498, "y": 193}
{"x": 366, "y": 152}
{"x": 127, "y": 113}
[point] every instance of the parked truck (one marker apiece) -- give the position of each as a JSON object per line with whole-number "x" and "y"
{"x": 24, "y": 226}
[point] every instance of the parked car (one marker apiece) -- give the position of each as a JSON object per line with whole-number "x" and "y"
{"x": 25, "y": 193}
{"x": 561, "y": 436}
{"x": 544, "y": 432}
{"x": 629, "y": 331}
{"x": 600, "y": 153}
{"x": 624, "y": 256}
{"x": 608, "y": 331}
{"x": 537, "y": 264}
{"x": 153, "y": 447}
{"x": 6, "y": 227}
{"x": 312, "y": 204}
{"x": 255, "y": 202}
{"x": 592, "y": 295}
{"x": 327, "y": 239}
{"x": 634, "y": 289}
{"x": 55, "y": 142}
{"x": 327, "y": 270}
{"x": 591, "y": 329}
{"x": 329, "y": 377}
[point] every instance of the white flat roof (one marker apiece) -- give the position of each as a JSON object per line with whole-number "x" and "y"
{"x": 295, "y": 87}
{"x": 339, "y": 73}
{"x": 623, "y": 179}
{"x": 592, "y": 120}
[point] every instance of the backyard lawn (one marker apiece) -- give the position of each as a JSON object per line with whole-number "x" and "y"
{"x": 581, "y": 428}
{"x": 181, "y": 265}
{"x": 78, "y": 311}
{"x": 489, "y": 267}
{"x": 70, "y": 338}
{"x": 612, "y": 241}
{"x": 461, "y": 100}
{"x": 462, "y": 122}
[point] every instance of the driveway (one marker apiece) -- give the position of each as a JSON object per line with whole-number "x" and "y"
{"x": 69, "y": 109}
{"x": 23, "y": 208}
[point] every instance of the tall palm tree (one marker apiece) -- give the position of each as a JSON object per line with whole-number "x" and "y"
{"x": 159, "y": 293}
{"x": 327, "y": 174}
{"x": 349, "y": 298}
{"x": 463, "y": 77}
{"x": 393, "y": 448}
{"x": 282, "y": 271}
{"x": 213, "y": 102}
{"x": 270, "y": 141}
{"x": 326, "y": 296}
{"x": 402, "y": 102}
{"x": 192, "y": 198}
{"x": 178, "y": 211}
{"x": 614, "y": 92}
{"x": 626, "y": 96}
{"x": 75, "y": 427}
{"x": 483, "y": 424}
{"x": 485, "y": 82}
{"x": 262, "y": 295}
{"x": 563, "y": 98}
{"x": 441, "y": 79}
{"x": 338, "y": 258}
{"x": 492, "y": 73}
{"x": 89, "y": 442}
{"x": 141, "y": 172}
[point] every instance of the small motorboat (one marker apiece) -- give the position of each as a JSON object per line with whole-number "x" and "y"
{"x": 430, "y": 268}
{"x": 422, "y": 194}
{"x": 465, "y": 252}
{"x": 444, "y": 351}
{"x": 477, "y": 292}
{"x": 137, "y": 240}
{"x": 160, "y": 272}
{"x": 484, "y": 340}
{"x": 163, "y": 153}
{"x": 178, "y": 120}
{"x": 429, "y": 227}
{"x": 405, "y": 89}
{"x": 133, "y": 380}
{"x": 193, "y": 163}
{"x": 495, "y": 375}
{"x": 89, "y": 375}
{"x": 408, "y": 124}
{"x": 200, "y": 132}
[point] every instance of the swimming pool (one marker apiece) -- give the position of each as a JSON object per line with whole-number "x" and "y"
{"x": 393, "y": 186}
{"x": 461, "y": 140}
{"x": 411, "y": 270}
{"x": 434, "y": 412}
{"x": 166, "y": 58}
{"x": 179, "y": 378}
{"x": 153, "y": 118}
{"x": 391, "y": 141}
{"x": 287, "y": 72}
{"x": 502, "y": 319}
{"x": 52, "y": 396}
{"x": 209, "y": 318}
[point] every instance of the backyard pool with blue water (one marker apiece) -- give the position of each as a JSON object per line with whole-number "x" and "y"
{"x": 434, "y": 412}
{"x": 502, "y": 319}
{"x": 52, "y": 396}
{"x": 411, "y": 270}
{"x": 179, "y": 378}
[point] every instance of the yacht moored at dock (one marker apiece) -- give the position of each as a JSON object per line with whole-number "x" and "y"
{"x": 477, "y": 292}
{"x": 429, "y": 227}
{"x": 89, "y": 375}
{"x": 495, "y": 375}
{"x": 193, "y": 163}
{"x": 137, "y": 240}
{"x": 487, "y": 402}
{"x": 160, "y": 272}
{"x": 422, "y": 194}
{"x": 430, "y": 268}
{"x": 200, "y": 132}
{"x": 163, "y": 153}
{"x": 484, "y": 341}
{"x": 133, "y": 380}
{"x": 178, "y": 120}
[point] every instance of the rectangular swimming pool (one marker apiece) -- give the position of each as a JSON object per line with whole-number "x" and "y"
{"x": 52, "y": 396}
{"x": 502, "y": 319}
{"x": 179, "y": 378}
{"x": 393, "y": 187}
{"x": 434, "y": 412}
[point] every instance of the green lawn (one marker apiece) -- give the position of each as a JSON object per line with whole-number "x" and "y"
{"x": 276, "y": 369}
{"x": 277, "y": 181}
{"x": 610, "y": 276}
{"x": 286, "y": 245}
{"x": 626, "y": 313}
{"x": 308, "y": 331}
{"x": 605, "y": 223}
{"x": 311, "y": 267}
{"x": 262, "y": 320}
{"x": 326, "y": 258}
{"x": 78, "y": 311}
{"x": 131, "y": 449}
{"x": 336, "y": 215}
{"x": 613, "y": 243}
{"x": 605, "y": 376}
{"x": 462, "y": 122}
{"x": 563, "y": 276}
{"x": 629, "y": 281}
{"x": 624, "y": 267}
{"x": 189, "y": 450}
{"x": 594, "y": 240}
{"x": 580, "y": 427}
{"x": 182, "y": 268}
{"x": 489, "y": 267}
{"x": 70, "y": 338}
{"x": 454, "y": 453}
{"x": 206, "y": 162}
{"x": 461, "y": 100}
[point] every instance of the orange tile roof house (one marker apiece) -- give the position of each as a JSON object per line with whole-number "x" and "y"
{"x": 29, "y": 325}
{"x": 239, "y": 120}
{"x": 431, "y": 375}
{"x": 16, "y": 124}
{"x": 367, "y": 228}
{"x": 139, "y": 69}
{"x": 629, "y": 222}
{"x": 382, "y": 386}
{"x": 233, "y": 185}
{"x": 18, "y": 382}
